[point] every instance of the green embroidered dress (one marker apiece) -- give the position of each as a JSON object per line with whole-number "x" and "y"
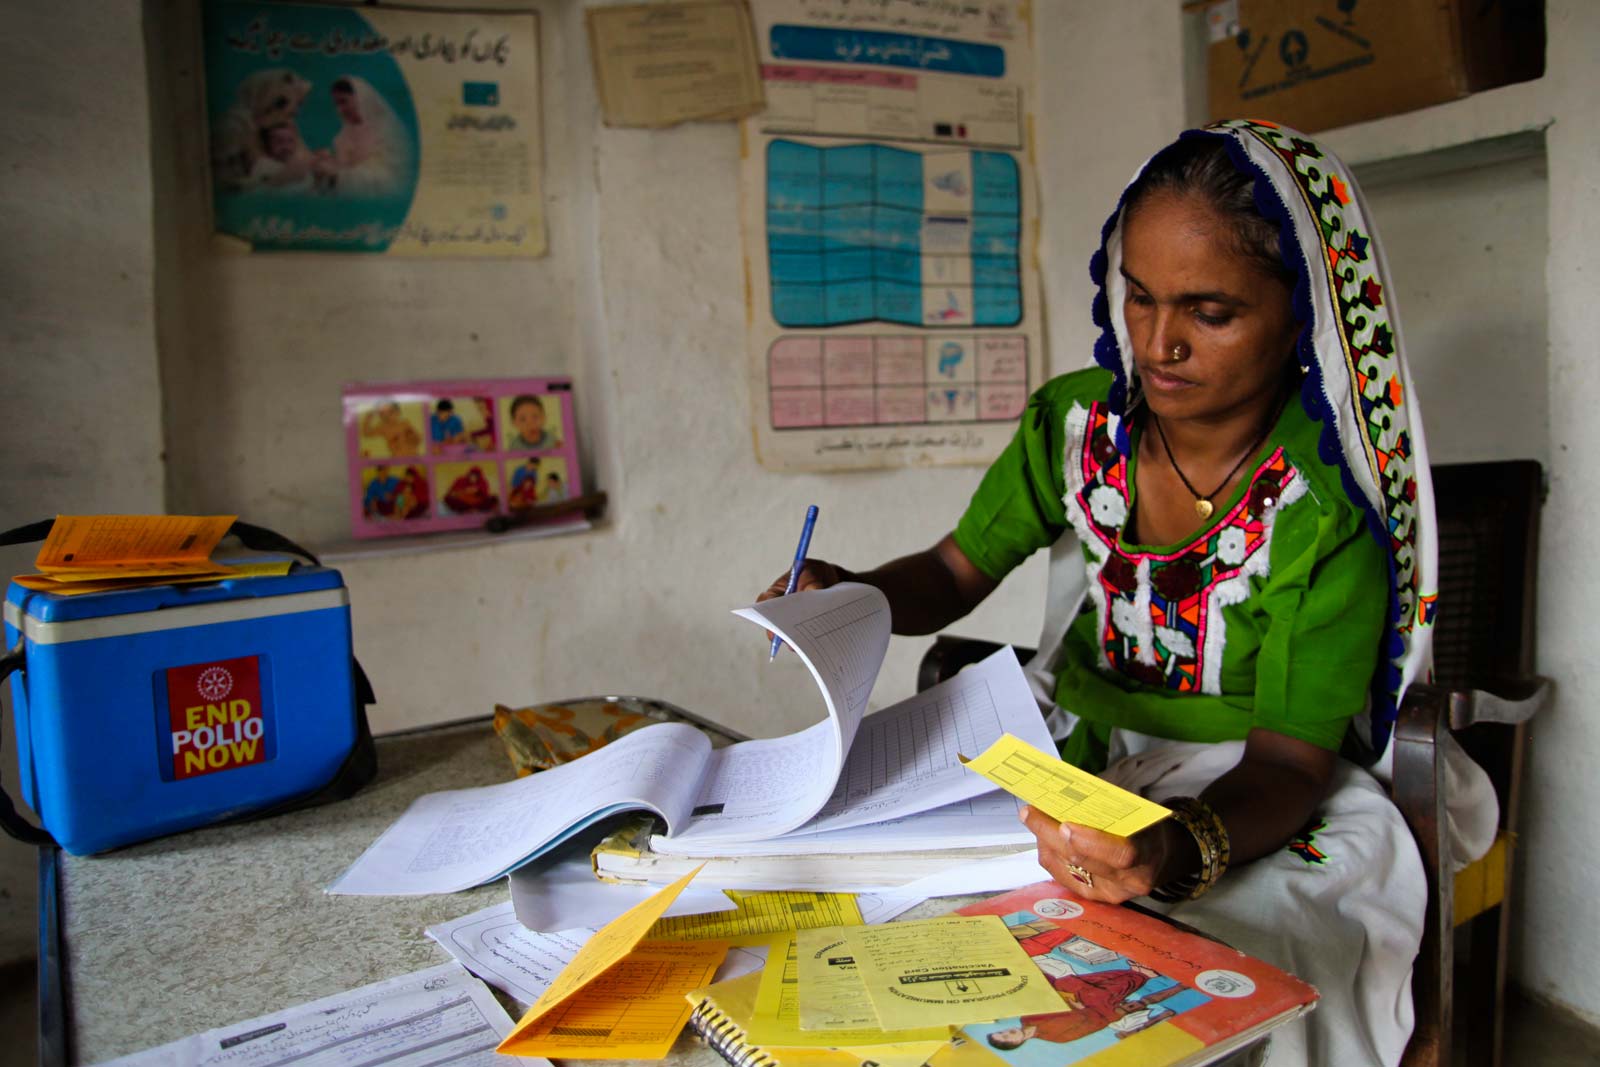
{"x": 1270, "y": 616}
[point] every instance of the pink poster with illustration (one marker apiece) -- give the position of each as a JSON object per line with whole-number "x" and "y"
{"x": 447, "y": 455}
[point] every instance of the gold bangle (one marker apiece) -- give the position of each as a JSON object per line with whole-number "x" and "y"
{"x": 1210, "y": 837}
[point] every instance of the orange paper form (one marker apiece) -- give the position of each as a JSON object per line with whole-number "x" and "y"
{"x": 45, "y": 583}
{"x": 611, "y": 943}
{"x": 632, "y": 1011}
{"x": 91, "y": 547}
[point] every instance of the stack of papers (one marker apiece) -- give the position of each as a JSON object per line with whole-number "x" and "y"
{"x": 850, "y": 770}
{"x": 100, "y": 553}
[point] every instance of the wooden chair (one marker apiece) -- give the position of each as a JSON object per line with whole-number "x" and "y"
{"x": 1483, "y": 692}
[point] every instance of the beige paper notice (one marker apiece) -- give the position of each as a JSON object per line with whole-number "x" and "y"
{"x": 775, "y": 1022}
{"x": 948, "y": 971}
{"x": 1062, "y": 791}
{"x": 661, "y": 64}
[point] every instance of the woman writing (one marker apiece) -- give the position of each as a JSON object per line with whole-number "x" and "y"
{"x": 1245, "y": 478}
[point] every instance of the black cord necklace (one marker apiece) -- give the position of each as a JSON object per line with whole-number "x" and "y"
{"x": 1202, "y": 501}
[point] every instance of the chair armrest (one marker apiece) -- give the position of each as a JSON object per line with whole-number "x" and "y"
{"x": 1504, "y": 700}
{"x": 947, "y": 655}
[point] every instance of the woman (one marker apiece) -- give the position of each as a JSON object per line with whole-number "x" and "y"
{"x": 1248, "y": 488}
{"x": 372, "y": 151}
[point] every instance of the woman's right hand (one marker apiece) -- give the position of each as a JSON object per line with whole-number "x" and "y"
{"x": 814, "y": 574}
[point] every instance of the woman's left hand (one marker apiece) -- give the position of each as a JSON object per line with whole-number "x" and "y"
{"x": 1096, "y": 865}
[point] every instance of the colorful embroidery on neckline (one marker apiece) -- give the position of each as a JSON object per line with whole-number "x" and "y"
{"x": 1160, "y": 618}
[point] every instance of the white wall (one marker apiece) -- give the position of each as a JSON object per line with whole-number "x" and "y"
{"x": 1559, "y": 947}
{"x": 641, "y": 300}
{"x": 77, "y": 334}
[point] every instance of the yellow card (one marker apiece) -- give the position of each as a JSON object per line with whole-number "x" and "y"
{"x": 1062, "y": 791}
{"x": 951, "y": 970}
{"x": 62, "y": 585}
{"x": 611, "y": 943}
{"x": 758, "y": 915}
{"x": 123, "y": 545}
{"x": 776, "y": 1019}
{"x": 632, "y": 1011}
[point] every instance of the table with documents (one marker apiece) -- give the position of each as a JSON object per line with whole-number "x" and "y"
{"x": 176, "y": 936}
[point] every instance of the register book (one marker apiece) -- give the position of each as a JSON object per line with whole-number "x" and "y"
{"x": 847, "y": 771}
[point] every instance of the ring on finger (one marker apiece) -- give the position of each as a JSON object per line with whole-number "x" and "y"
{"x": 1080, "y": 873}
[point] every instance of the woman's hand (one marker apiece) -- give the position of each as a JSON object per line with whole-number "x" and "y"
{"x": 814, "y": 574}
{"x": 1096, "y": 865}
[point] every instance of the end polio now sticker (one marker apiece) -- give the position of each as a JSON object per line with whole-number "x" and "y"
{"x": 218, "y": 722}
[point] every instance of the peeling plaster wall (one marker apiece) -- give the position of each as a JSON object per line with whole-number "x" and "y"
{"x": 77, "y": 328}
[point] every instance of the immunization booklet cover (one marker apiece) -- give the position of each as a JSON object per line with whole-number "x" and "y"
{"x": 1134, "y": 989}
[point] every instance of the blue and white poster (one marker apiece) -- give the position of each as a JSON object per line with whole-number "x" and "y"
{"x": 377, "y": 130}
{"x": 888, "y": 223}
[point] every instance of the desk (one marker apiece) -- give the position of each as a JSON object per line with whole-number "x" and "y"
{"x": 215, "y": 926}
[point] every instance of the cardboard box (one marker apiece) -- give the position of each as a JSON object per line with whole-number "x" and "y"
{"x": 1315, "y": 64}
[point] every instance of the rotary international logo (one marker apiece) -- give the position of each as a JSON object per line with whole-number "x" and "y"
{"x": 214, "y": 683}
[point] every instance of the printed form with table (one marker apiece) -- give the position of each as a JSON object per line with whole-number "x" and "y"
{"x": 696, "y": 926}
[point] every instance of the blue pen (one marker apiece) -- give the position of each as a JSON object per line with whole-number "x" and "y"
{"x": 794, "y": 571}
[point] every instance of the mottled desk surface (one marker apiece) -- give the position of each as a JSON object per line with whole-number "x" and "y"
{"x": 215, "y": 926}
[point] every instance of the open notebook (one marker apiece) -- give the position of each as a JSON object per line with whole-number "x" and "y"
{"x": 848, "y": 770}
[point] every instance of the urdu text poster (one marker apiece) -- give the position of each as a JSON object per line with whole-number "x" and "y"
{"x": 889, "y": 225}
{"x": 374, "y": 129}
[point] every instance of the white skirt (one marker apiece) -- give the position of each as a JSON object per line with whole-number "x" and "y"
{"x": 1341, "y": 907}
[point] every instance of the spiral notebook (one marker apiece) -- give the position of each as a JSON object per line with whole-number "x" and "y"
{"x": 721, "y": 1014}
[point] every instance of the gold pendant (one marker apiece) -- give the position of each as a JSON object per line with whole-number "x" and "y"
{"x": 1202, "y": 508}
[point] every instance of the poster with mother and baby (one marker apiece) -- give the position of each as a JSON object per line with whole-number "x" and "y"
{"x": 405, "y": 132}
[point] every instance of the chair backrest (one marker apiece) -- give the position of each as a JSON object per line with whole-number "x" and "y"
{"x": 1488, "y": 568}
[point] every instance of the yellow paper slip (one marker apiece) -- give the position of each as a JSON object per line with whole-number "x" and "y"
{"x": 776, "y": 1019}
{"x": 632, "y": 1011}
{"x": 951, "y": 970}
{"x": 609, "y": 945}
{"x": 758, "y": 915}
{"x": 45, "y": 583}
{"x": 119, "y": 543}
{"x": 1062, "y": 791}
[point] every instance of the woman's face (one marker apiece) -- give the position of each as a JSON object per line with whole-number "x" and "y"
{"x": 345, "y": 104}
{"x": 1189, "y": 291}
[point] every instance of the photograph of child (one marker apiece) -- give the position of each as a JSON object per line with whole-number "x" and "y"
{"x": 458, "y": 425}
{"x": 468, "y": 488}
{"x": 552, "y": 480}
{"x": 534, "y": 422}
{"x": 390, "y": 428}
{"x": 522, "y": 475}
{"x": 389, "y": 494}
{"x": 536, "y": 480}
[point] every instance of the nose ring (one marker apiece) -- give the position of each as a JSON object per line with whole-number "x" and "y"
{"x": 1178, "y": 353}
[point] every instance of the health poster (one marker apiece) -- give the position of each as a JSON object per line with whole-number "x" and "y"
{"x": 365, "y": 129}
{"x": 889, "y": 214}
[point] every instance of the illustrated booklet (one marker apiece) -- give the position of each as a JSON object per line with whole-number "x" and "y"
{"x": 1134, "y": 989}
{"x": 849, "y": 770}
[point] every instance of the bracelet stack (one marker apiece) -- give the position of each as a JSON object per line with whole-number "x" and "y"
{"x": 1205, "y": 825}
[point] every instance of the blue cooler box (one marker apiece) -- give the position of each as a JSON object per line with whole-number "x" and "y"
{"x": 141, "y": 712}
